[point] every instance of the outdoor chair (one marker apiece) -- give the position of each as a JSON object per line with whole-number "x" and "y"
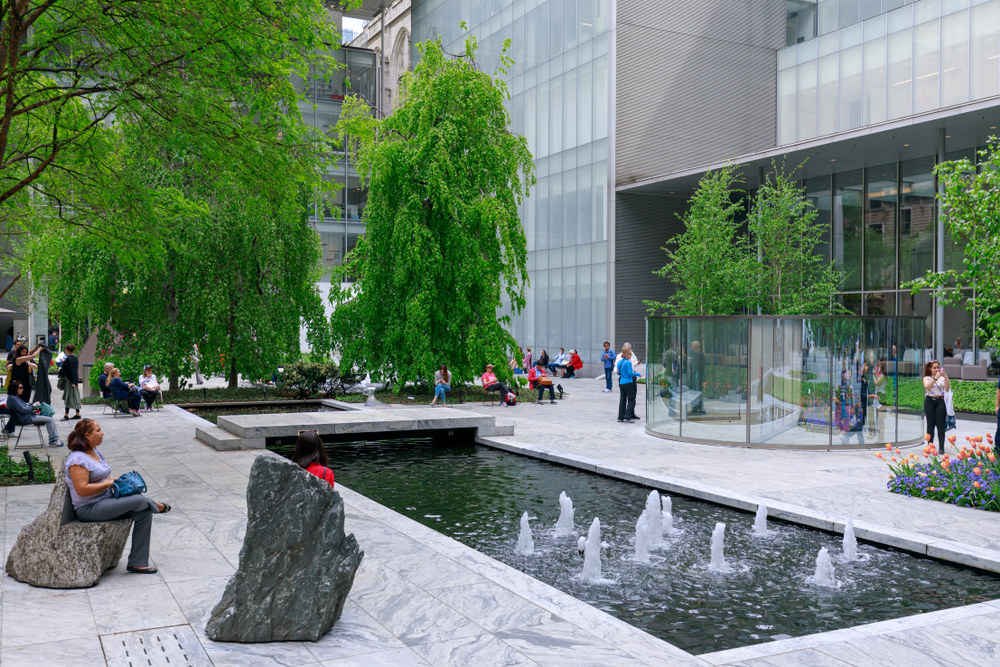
{"x": 42, "y": 442}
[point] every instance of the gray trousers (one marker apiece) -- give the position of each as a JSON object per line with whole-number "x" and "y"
{"x": 137, "y": 507}
{"x": 50, "y": 425}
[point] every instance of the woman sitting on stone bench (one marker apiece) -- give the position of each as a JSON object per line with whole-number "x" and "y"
{"x": 88, "y": 476}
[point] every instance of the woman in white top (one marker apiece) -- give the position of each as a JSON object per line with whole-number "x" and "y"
{"x": 442, "y": 383}
{"x": 936, "y": 382}
{"x": 149, "y": 388}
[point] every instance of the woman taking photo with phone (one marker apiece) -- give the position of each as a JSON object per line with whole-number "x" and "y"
{"x": 936, "y": 383}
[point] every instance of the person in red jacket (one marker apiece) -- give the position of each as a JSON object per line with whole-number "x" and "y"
{"x": 575, "y": 363}
{"x": 311, "y": 455}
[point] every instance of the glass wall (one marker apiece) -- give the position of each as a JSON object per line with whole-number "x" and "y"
{"x": 869, "y": 68}
{"x": 337, "y": 216}
{"x": 818, "y": 382}
{"x": 559, "y": 98}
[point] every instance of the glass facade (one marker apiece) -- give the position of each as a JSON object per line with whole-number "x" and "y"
{"x": 808, "y": 19}
{"x": 879, "y": 226}
{"x": 819, "y": 382}
{"x": 915, "y": 58}
{"x": 559, "y": 102}
{"x": 337, "y": 217}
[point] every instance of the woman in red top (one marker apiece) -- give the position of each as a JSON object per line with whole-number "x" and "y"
{"x": 575, "y": 364}
{"x": 311, "y": 455}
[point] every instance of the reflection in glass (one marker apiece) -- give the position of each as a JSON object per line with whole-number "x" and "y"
{"x": 824, "y": 382}
{"x": 916, "y": 218}
{"x": 880, "y": 228}
{"x": 847, "y": 226}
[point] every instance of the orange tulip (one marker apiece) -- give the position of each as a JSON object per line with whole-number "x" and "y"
{"x": 927, "y": 437}
{"x": 976, "y": 484}
{"x": 992, "y": 458}
{"x": 888, "y": 446}
{"x": 894, "y": 459}
{"x": 977, "y": 471}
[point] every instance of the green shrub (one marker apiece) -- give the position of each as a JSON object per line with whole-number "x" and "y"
{"x": 14, "y": 472}
{"x": 310, "y": 377}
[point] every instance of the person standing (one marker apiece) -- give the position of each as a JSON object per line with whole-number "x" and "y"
{"x": 609, "y": 361}
{"x": 936, "y": 383}
{"x": 526, "y": 363}
{"x": 24, "y": 363}
{"x": 70, "y": 371}
{"x": 696, "y": 375}
{"x": 442, "y": 383}
{"x": 535, "y": 376}
{"x": 626, "y": 388}
{"x": 43, "y": 390}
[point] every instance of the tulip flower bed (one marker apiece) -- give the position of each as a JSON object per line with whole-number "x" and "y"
{"x": 972, "y": 479}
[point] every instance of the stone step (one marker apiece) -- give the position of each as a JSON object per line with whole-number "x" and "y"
{"x": 219, "y": 438}
{"x": 497, "y": 430}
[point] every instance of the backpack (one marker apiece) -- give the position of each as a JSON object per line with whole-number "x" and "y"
{"x": 511, "y": 399}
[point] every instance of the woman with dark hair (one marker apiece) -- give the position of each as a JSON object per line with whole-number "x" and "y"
{"x": 88, "y": 476}
{"x": 311, "y": 455}
{"x": 23, "y": 414}
{"x": 442, "y": 383}
{"x": 936, "y": 383}
{"x": 23, "y": 364}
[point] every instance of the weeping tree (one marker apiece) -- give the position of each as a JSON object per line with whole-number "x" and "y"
{"x": 220, "y": 254}
{"x": 442, "y": 264}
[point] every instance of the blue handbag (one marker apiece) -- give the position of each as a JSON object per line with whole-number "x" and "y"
{"x": 128, "y": 484}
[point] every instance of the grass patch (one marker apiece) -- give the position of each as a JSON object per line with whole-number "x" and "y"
{"x": 14, "y": 471}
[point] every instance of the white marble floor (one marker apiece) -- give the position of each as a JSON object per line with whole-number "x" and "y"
{"x": 424, "y": 599}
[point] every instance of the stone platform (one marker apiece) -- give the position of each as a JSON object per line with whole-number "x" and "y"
{"x": 256, "y": 431}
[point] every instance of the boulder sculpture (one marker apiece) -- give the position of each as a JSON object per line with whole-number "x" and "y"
{"x": 296, "y": 565}
{"x": 58, "y": 551}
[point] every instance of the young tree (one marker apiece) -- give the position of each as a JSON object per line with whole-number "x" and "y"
{"x": 970, "y": 210}
{"x": 788, "y": 276}
{"x": 443, "y": 241}
{"x": 707, "y": 262}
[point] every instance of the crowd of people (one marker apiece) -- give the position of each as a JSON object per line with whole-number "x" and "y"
{"x": 129, "y": 394}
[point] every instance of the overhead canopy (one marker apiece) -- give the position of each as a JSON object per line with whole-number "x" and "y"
{"x": 368, "y": 10}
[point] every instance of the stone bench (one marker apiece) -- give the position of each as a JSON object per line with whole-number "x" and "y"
{"x": 56, "y": 550}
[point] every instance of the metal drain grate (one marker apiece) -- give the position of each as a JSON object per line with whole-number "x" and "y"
{"x": 165, "y": 647}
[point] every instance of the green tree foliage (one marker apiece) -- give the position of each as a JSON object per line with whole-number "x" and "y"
{"x": 789, "y": 276}
{"x": 209, "y": 71}
{"x": 720, "y": 270}
{"x": 444, "y": 249}
{"x": 970, "y": 210}
{"x": 707, "y": 262}
{"x": 227, "y": 261}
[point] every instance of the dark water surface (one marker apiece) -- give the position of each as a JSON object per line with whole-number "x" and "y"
{"x": 477, "y": 495}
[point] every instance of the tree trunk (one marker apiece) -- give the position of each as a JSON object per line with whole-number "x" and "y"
{"x": 233, "y": 375}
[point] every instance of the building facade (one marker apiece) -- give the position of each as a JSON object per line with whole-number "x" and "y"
{"x": 388, "y": 35}
{"x": 627, "y": 104}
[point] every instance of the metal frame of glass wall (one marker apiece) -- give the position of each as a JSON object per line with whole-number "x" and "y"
{"x": 786, "y": 383}
{"x": 882, "y": 232}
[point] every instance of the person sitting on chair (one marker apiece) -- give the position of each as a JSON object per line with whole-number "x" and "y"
{"x": 558, "y": 362}
{"x": 535, "y": 376}
{"x": 311, "y": 455}
{"x": 102, "y": 380}
{"x": 149, "y": 388}
{"x": 490, "y": 383}
{"x": 574, "y": 364}
{"x": 23, "y": 414}
{"x": 124, "y": 391}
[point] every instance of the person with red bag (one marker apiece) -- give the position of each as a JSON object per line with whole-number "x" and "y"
{"x": 540, "y": 381}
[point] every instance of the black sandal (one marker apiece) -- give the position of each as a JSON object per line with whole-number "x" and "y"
{"x": 142, "y": 570}
{"x": 166, "y": 508}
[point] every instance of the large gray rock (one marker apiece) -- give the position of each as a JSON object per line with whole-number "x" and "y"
{"x": 58, "y": 551}
{"x": 296, "y": 565}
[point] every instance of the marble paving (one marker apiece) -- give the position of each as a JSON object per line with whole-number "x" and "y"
{"x": 421, "y": 598}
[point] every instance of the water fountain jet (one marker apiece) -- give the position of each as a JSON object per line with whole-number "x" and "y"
{"x": 525, "y": 541}
{"x": 850, "y": 542}
{"x": 719, "y": 563}
{"x": 667, "y": 515}
{"x": 642, "y": 538}
{"x": 760, "y": 521}
{"x": 654, "y": 530}
{"x": 825, "y": 576}
{"x": 592, "y": 555}
{"x": 564, "y": 526}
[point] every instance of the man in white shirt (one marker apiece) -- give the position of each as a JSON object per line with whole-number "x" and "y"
{"x": 634, "y": 360}
{"x": 561, "y": 359}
